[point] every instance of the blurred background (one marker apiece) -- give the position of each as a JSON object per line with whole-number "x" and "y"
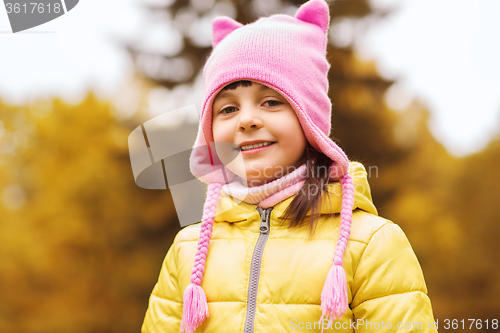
{"x": 416, "y": 93}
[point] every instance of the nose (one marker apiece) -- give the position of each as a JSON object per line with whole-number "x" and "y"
{"x": 249, "y": 119}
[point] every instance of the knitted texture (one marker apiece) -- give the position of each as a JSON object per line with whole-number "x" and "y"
{"x": 346, "y": 215}
{"x": 269, "y": 194}
{"x": 195, "y": 308}
{"x": 334, "y": 297}
{"x": 287, "y": 54}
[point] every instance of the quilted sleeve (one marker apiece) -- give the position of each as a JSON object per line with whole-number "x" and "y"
{"x": 389, "y": 290}
{"x": 164, "y": 311}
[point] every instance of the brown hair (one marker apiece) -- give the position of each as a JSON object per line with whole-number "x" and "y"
{"x": 309, "y": 197}
{"x": 236, "y": 84}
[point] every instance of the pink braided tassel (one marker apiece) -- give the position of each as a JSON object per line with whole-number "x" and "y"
{"x": 334, "y": 294}
{"x": 195, "y": 309}
{"x": 334, "y": 301}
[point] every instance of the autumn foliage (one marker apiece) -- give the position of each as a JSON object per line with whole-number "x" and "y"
{"x": 81, "y": 245}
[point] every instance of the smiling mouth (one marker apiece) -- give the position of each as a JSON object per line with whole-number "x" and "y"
{"x": 257, "y": 145}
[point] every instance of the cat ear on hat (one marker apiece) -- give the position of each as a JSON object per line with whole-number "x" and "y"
{"x": 315, "y": 12}
{"x": 221, "y": 27}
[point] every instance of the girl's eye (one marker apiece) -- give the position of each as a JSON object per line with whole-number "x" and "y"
{"x": 229, "y": 109}
{"x": 273, "y": 103}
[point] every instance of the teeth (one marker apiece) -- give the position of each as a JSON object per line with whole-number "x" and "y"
{"x": 256, "y": 145}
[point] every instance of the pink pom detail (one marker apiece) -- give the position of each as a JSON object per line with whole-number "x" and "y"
{"x": 195, "y": 309}
{"x": 334, "y": 294}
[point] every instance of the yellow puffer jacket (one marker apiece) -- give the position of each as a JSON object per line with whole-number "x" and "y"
{"x": 386, "y": 287}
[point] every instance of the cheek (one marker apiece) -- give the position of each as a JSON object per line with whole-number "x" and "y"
{"x": 297, "y": 143}
{"x": 219, "y": 133}
{"x": 293, "y": 131}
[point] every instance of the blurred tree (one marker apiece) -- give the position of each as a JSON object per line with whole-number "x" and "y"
{"x": 356, "y": 88}
{"x": 414, "y": 180}
{"x": 80, "y": 242}
{"x": 474, "y": 202}
{"x": 189, "y": 24}
{"x": 81, "y": 245}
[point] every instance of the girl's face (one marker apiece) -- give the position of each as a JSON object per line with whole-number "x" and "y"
{"x": 257, "y": 114}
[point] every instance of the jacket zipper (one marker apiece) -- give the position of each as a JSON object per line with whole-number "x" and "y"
{"x": 253, "y": 285}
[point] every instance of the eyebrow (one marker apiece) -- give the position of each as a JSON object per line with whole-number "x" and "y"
{"x": 263, "y": 87}
{"x": 229, "y": 93}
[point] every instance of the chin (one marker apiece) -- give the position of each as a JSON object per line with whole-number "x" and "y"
{"x": 260, "y": 174}
{"x": 255, "y": 182}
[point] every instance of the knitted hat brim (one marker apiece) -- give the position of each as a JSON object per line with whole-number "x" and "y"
{"x": 206, "y": 165}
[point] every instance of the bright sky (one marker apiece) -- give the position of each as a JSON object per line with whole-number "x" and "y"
{"x": 447, "y": 53}
{"x": 444, "y": 51}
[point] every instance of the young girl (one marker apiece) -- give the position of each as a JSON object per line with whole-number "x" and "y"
{"x": 290, "y": 239}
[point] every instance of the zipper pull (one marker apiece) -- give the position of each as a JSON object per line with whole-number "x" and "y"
{"x": 265, "y": 215}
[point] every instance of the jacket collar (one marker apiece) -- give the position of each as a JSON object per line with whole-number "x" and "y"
{"x": 230, "y": 209}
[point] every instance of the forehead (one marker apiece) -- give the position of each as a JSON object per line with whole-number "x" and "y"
{"x": 226, "y": 92}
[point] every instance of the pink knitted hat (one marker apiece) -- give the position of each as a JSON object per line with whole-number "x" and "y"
{"x": 287, "y": 54}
